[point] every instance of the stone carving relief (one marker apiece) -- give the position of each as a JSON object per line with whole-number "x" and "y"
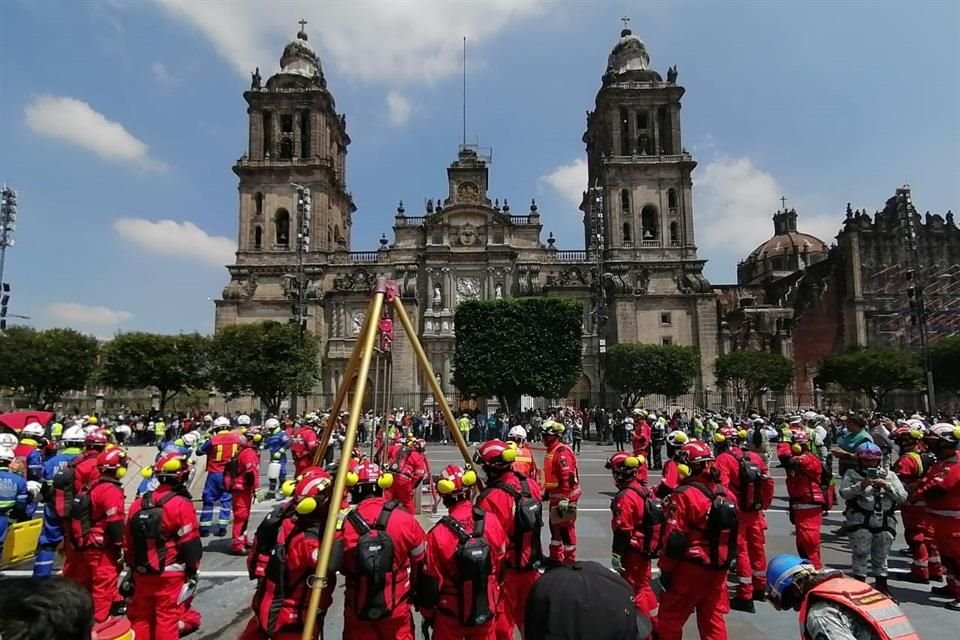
{"x": 240, "y": 289}
{"x": 468, "y": 288}
{"x": 359, "y": 280}
{"x": 468, "y": 235}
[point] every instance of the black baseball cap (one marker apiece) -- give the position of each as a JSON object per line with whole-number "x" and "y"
{"x": 583, "y": 600}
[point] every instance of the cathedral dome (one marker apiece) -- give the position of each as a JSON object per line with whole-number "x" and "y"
{"x": 299, "y": 58}
{"x": 788, "y": 251}
{"x": 629, "y": 59}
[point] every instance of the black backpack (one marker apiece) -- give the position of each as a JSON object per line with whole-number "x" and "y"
{"x": 721, "y": 519}
{"x": 376, "y": 596}
{"x": 474, "y": 561}
{"x": 265, "y": 539}
{"x": 230, "y": 472}
{"x": 62, "y": 488}
{"x": 527, "y": 524}
{"x": 751, "y": 484}
{"x": 146, "y": 530}
{"x": 653, "y": 520}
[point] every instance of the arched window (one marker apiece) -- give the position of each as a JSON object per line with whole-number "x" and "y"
{"x": 282, "y": 224}
{"x": 625, "y": 202}
{"x": 258, "y": 203}
{"x": 674, "y": 234}
{"x": 258, "y": 237}
{"x": 672, "y": 198}
{"x": 626, "y": 233}
{"x": 649, "y": 223}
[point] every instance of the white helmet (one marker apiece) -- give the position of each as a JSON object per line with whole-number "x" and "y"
{"x": 190, "y": 439}
{"x": 652, "y": 416}
{"x": 243, "y": 420}
{"x": 517, "y": 434}
{"x": 222, "y": 421}
{"x": 810, "y": 416}
{"x": 33, "y": 488}
{"x": 6, "y": 455}
{"x": 677, "y": 438}
{"x": 272, "y": 423}
{"x": 74, "y": 435}
{"x": 8, "y": 441}
{"x": 34, "y": 429}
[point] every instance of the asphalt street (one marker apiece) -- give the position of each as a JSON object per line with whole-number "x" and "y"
{"x": 225, "y": 592}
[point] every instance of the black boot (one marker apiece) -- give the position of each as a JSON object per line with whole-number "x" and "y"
{"x": 943, "y": 591}
{"x": 759, "y": 595}
{"x": 742, "y": 604}
{"x": 860, "y": 578}
{"x": 881, "y": 585}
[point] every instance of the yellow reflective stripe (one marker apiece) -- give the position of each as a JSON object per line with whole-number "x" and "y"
{"x": 219, "y": 455}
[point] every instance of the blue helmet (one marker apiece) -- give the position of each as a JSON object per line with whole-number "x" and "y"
{"x": 869, "y": 451}
{"x": 781, "y": 573}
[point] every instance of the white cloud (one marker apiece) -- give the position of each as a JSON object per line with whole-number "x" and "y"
{"x": 84, "y": 314}
{"x": 171, "y": 238}
{"x": 399, "y": 108}
{"x": 381, "y": 41}
{"x": 569, "y": 180}
{"x": 163, "y": 76}
{"x": 76, "y": 122}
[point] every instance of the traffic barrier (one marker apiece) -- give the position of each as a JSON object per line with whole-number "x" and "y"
{"x": 21, "y": 542}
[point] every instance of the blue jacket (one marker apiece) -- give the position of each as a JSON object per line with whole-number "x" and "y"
{"x": 278, "y": 441}
{"x": 57, "y": 462}
{"x": 13, "y": 494}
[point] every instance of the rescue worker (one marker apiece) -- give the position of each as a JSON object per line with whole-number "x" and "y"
{"x": 637, "y": 521}
{"x": 303, "y": 446}
{"x": 516, "y": 502}
{"x": 670, "y": 478}
{"x": 279, "y": 603}
{"x": 745, "y": 476}
{"x": 58, "y": 474}
{"x": 524, "y": 463}
{"x": 807, "y": 499}
{"x": 914, "y": 462}
{"x": 409, "y": 469}
{"x": 96, "y": 533}
{"x": 278, "y": 444}
{"x": 30, "y": 450}
{"x": 640, "y": 438}
{"x": 384, "y": 548}
{"x": 466, "y": 552}
{"x": 833, "y": 606}
{"x": 872, "y": 495}
{"x": 940, "y": 488}
{"x": 658, "y": 435}
{"x": 163, "y": 549}
{"x": 14, "y": 496}
{"x": 220, "y": 450}
{"x": 242, "y": 479}
{"x": 94, "y": 443}
{"x": 561, "y": 487}
{"x": 700, "y": 542}
{"x": 463, "y": 425}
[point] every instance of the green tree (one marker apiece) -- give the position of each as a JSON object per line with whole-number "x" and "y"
{"x": 516, "y": 347}
{"x": 264, "y": 359}
{"x": 751, "y": 373}
{"x": 636, "y": 370}
{"x": 171, "y": 364}
{"x": 46, "y": 364}
{"x": 944, "y": 359}
{"x": 875, "y": 371}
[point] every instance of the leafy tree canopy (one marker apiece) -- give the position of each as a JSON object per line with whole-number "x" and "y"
{"x": 945, "y": 362}
{"x": 521, "y": 346}
{"x": 750, "y": 373}
{"x": 46, "y": 364}
{"x": 636, "y": 370}
{"x": 265, "y": 360}
{"x": 874, "y": 371}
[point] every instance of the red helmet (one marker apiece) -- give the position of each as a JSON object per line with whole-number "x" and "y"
{"x": 96, "y": 439}
{"x": 943, "y": 432}
{"x": 312, "y": 492}
{"x": 624, "y": 465}
{"x": 799, "y": 437}
{"x": 455, "y": 481}
{"x": 726, "y": 435}
{"x": 113, "y": 461}
{"x": 366, "y": 472}
{"x": 358, "y": 454}
{"x": 495, "y": 454}
{"x": 908, "y": 435}
{"x": 697, "y": 452}
{"x": 171, "y": 466}
{"x": 420, "y": 445}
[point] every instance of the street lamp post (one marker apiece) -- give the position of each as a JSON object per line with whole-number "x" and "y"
{"x": 8, "y": 224}
{"x": 295, "y": 284}
{"x": 597, "y": 245}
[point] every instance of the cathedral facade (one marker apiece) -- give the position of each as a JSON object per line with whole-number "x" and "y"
{"x": 637, "y": 273}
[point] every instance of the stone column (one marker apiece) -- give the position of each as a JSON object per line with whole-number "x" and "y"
{"x": 448, "y": 293}
{"x": 296, "y": 134}
{"x": 275, "y": 139}
{"x": 675, "y": 126}
{"x": 656, "y": 131}
{"x": 615, "y": 132}
{"x": 632, "y": 128}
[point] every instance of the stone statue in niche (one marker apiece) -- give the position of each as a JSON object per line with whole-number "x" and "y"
{"x": 437, "y": 296}
{"x": 498, "y": 291}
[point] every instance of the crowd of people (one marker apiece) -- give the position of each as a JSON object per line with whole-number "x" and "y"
{"x": 475, "y": 573}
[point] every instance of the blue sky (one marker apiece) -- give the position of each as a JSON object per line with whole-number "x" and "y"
{"x": 120, "y": 121}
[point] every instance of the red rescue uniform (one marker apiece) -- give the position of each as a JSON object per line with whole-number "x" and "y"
{"x": 409, "y": 553}
{"x": 910, "y": 467}
{"x": 524, "y": 550}
{"x": 806, "y": 504}
{"x": 409, "y": 469}
{"x": 696, "y": 568}
{"x": 526, "y": 464}
{"x": 153, "y": 610}
{"x": 631, "y": 543}
{"x": 242, "y": 489}
{"x": 670, "y": 479}
{"x": 221, "y": 449}
{"x": 640, "y": 438}
{"x": 562, "y": 482}
{"x": 85, "y": 473}
{"x": 441, "y": 567}
{"x": 941, "y": 491}
{"x": 303, "y": 448}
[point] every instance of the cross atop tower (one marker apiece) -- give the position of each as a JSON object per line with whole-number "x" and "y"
{"x": 626, "y": 22}
{"x": 302, "y": 23}
{"x": 783, "y": 202}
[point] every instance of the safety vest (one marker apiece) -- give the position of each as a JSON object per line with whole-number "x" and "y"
{"x": 883, "y": 615}
{"x": 550, "y": 480}
{"x": 523, "y": 463}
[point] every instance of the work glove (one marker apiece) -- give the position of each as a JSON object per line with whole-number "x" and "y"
{"x": 616, "y": 563}
{"x": 666, "y": 579}
{"x": 258, "y": 496}
{"x": 563, "y": 507}
{"x": 277, "y": 455}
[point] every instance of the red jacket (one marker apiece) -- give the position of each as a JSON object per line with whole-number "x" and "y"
{"x": 500, "y": 504}
{"x": 441, "y": 564}
{"x": 85, "y": 473}
{"x": 641, "y": 437}
{"x": 409, "y": 553}
{"x": 103, "y": 528}
{"x": 408, "y": 465}
{"x": 687, "y": 517}
{"x": 803, "y": 481}
{"x": 221, "y": 449}
{"x": 728, "y": 464}
{"x": 941, "y": 488}
{"x": 305, "y": 442}
{"x": 628, "y": 508}
{"x": 670, "y": 479}
{"x": 248, "y": 471}
{"x": 560, "y": 477}
{"x": 181, "y": 532}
